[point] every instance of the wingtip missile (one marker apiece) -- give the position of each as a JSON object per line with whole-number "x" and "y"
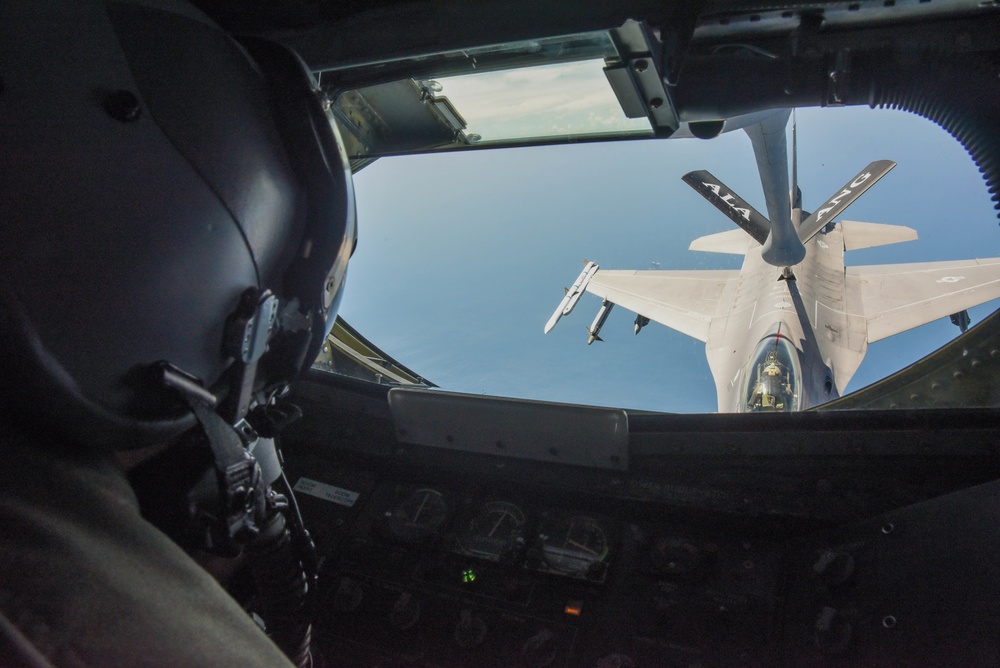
{"x": 553, "y": 320}
{"x": 640, "y": 322}
{"x": 579, "y": 287}
{"x": 572, "y": 295}
{"x": 961, "y": 320}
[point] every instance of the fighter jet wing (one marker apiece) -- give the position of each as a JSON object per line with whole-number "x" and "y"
{"x": 898, "y": 297}
{"x": 682, "y": 300}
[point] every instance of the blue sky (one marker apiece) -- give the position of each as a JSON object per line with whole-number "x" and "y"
{"x": 463, "y": 257}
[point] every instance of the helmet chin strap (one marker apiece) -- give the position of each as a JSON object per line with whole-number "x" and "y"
{"x": 223, "y": 502}
{"x": 224, "y": 495}
{"x": 241, "y": 502}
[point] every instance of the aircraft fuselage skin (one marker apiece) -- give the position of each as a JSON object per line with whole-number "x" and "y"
{"x": 812, "y": 312}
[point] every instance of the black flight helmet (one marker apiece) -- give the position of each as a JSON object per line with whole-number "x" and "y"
{"x": 174, "y": 204}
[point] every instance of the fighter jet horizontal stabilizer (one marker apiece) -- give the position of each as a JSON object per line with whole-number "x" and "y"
{"x": 734, "y": 242}
{"x": 859, "y": 235}
{"x": 732, "y": 205}
{"x": 844, "y": 197}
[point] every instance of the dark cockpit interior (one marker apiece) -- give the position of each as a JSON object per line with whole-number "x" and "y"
{"x": 461, "y": 530}
{"x": 458, "y": 530}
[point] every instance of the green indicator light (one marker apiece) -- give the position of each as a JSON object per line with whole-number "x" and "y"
{"x": 468, "y": 575}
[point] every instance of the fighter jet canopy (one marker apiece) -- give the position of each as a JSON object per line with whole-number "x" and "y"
{"x": 774, "y": 377}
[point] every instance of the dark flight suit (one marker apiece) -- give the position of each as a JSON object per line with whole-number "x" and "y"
{"x": 85, "y": 581}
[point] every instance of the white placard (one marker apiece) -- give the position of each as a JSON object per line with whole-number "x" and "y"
{"x": 344, "y": 497}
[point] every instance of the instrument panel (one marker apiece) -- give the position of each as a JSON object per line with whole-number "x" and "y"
{"x": 753, "y": 551}
{"x": 494, "y": 529}
{"x": 497, "y": 531}
{"x": 576, "y": 546}
{"x": 443, "y": 573}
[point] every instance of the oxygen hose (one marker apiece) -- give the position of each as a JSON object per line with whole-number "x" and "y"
{"x": 284, "y": 590}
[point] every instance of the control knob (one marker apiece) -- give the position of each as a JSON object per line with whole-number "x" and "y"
{"x": 348, "y": 596}
{"x": 834, "y": 567}
{"x": 470, "y": 630}
{"x": 540, "y": 650}
{"x": 832, "y": 631}
{"x": 405, "y": 612}
{"x": 615, "y": 661}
